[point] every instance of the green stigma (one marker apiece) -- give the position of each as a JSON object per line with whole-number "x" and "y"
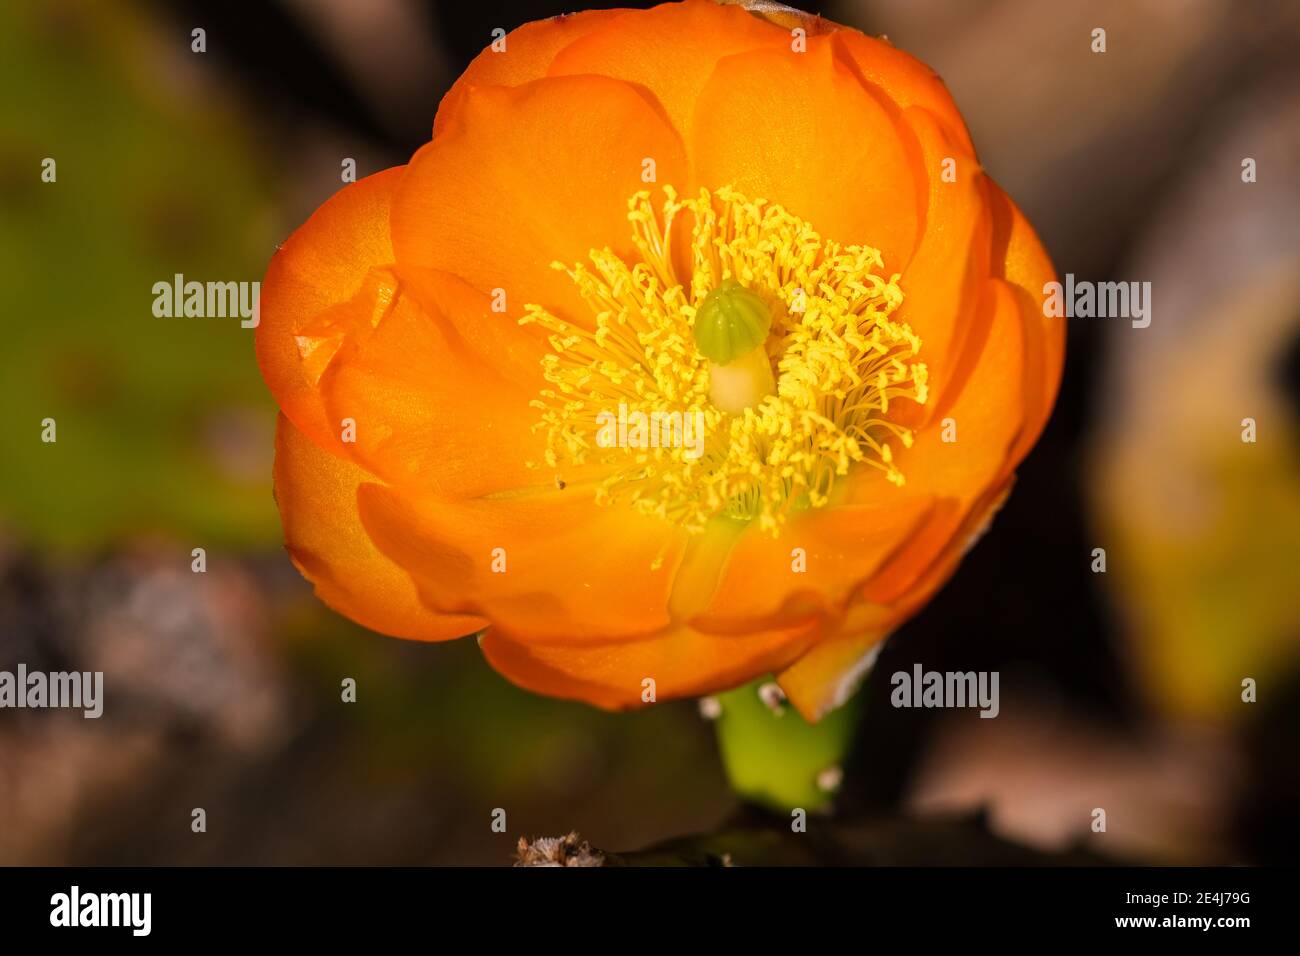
{"x": 731, "y": 321}
{"x": 731, "y": 327}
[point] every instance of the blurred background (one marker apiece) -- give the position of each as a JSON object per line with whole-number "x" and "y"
{"x": 1119, "y": 690}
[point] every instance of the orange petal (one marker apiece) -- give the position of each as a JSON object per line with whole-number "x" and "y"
{"x": 798, "y": 129}
{"x": 467, "y": 317}
{"x": 987, "y": 414}
{"x": 1019, "y": 257}
{"x": 317, "y": 269}
{"x": 426, "y": 410}
{"x": 828, "y": 675}
{"x": 573, "y": 571}
{"x": 527, "y": 176}
{"x": 527, "y": 55}
{"x": 317, "y": 494}
{"x": 682, "y": 663}
{"x": 941, "y": 282}
{"x": 904, "y": 79}
{"x": 761, "y": 582}
{"x": 670, "y": 50}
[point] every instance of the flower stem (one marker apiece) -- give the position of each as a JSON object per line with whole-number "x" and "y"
{"x": 776, "y": 759}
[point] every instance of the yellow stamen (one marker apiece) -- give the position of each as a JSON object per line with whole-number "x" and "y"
{"x": 768, "y": 447}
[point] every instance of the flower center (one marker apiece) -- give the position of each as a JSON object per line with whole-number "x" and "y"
{"x": 739, "y": 376}
{"x": 731, "y": 327}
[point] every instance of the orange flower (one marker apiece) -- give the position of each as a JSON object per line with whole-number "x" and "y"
{"x": 766, "y": 236}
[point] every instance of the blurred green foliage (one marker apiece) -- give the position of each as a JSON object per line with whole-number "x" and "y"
{"x": 163, "y": 424}
{"x": 437, "y": 716}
